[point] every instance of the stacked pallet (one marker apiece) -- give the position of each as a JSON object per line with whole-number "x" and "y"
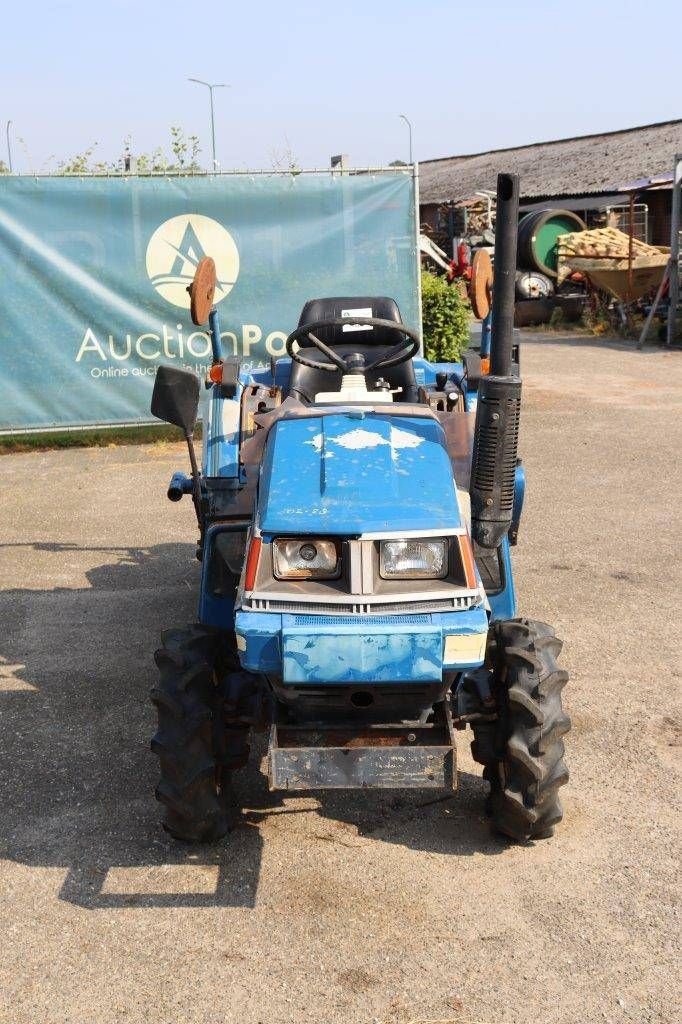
{"x": 627, "y": 268}
{"x": 604, "y": 242}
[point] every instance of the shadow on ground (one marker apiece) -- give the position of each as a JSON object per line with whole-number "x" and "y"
{"x": 593, "y": 341}
{"x": 77, "y": 776}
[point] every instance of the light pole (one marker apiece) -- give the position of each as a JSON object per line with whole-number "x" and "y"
{"x": 409, "y": 128}
{"x": 211, "y": 86}
{"x": 9, "y": 148}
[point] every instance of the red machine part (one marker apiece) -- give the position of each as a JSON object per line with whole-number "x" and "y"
{"x": 460, "y": 266}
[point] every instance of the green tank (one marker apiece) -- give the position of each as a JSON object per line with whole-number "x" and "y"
{"x": 538, "y": 234}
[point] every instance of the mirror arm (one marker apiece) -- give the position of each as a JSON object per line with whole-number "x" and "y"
{"x": 214, "y": 327}
{"x": 196, "y": 486}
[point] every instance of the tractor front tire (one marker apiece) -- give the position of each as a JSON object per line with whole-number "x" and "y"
{"x": 529, "y": 769}
{"x": 186, "y": 699}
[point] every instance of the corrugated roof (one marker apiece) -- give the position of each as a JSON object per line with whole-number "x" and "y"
{"x": 563, "y": 167}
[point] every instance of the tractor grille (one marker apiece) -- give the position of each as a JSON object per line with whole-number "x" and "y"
{"x": 379, "y": 620}
{"x": 373, "y": 609}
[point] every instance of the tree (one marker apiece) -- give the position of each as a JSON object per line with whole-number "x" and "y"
{"x": 284, "y": 159}
{"x": 185, "y": 150}
{"x": 81, "y": 163}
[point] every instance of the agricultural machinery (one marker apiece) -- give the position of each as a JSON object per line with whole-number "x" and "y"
{"x": 356, "y": 507}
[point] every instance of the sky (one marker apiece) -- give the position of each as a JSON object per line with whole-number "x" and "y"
{"x": 312, "y": 79}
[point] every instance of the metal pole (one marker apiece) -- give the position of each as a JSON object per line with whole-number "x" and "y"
{"x": 417, "y": 232}
{"x": 631, "y": 242}
{"x": 674, "y": 289}
{"x": 9, "y": 148}
{"x": 210, "y": 89}
{"x": 214, "y": 327}
{"x": 486, "y": 329}
{"x": 409, "y": 128}
{"x": 654, "y": 307}
{"x": 211, "y": 86}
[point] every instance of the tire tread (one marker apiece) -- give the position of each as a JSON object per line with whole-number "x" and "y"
{"x": 524, "y": 799}
{"x": 186, "y": 702}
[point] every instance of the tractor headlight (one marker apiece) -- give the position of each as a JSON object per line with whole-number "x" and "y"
{"x": 306, "y": 559}
{"x": 414, "y": 559}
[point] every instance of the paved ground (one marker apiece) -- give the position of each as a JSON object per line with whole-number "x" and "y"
{"x": 388, "y": 909}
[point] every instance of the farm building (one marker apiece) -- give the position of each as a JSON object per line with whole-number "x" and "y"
{"x": 593, "y": 175}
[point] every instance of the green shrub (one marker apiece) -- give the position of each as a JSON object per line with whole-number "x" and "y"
{"x": 445, "y": 319}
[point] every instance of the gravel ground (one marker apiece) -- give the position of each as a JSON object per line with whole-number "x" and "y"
{"x": 389, "y": 908}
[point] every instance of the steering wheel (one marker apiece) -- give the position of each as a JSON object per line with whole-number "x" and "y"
{"x": 400, "y": 353}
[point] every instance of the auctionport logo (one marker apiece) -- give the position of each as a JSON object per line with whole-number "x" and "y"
{"x": 173, "y": 251}
{"x": 176, "y": 247}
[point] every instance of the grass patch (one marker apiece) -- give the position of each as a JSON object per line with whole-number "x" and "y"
{"x": 151, "y": 434}
{"x": 566, "y": 328}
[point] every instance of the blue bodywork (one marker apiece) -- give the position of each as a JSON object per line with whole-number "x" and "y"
{"x": 396, "y": 648}
{"x": 346, "y": 473}
{"x": 354, "y": 472}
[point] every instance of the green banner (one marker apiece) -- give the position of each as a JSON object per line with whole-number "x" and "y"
{"x": 94, "y": 274}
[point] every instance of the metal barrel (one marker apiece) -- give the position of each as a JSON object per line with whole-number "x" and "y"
{"x": 538, "y": 235}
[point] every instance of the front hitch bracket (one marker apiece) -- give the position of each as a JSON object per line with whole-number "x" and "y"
{"x": 413, "y": 755}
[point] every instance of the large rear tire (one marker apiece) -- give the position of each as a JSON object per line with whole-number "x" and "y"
{"x": 529, "y": 768}
{"x": 205, "y": 707}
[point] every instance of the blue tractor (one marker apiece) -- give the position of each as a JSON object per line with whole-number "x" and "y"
{"x": 356, "y": 506}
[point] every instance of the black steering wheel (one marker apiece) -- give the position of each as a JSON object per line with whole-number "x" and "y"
{"x": 400, "y": 353}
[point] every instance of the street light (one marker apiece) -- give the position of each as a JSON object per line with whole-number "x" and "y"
{"x": 9, "y": 148}
{"x": 409, "y": 128}
{"x": 211, "y": 86}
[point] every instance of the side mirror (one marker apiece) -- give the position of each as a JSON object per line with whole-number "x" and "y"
{"x": 202, "y": 290}
{"x": 176, "y": 397}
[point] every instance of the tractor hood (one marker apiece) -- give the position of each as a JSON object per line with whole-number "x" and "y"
{"x": 356, "y": 472}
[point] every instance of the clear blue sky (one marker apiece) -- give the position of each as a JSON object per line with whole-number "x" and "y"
{"x": 326, "y": 77}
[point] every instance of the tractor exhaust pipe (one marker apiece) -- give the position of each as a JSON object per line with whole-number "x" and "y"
{"x": 493, "y": 464}
{"x": 506, "y": 231}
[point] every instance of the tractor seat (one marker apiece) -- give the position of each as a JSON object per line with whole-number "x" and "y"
{"x": 305, "y": 382}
